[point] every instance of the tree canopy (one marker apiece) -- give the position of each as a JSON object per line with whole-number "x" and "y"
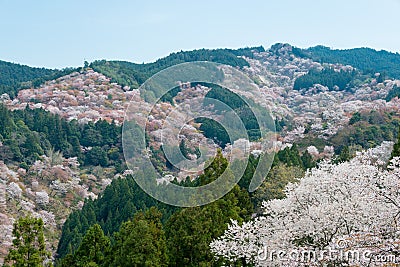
{"x": 29, "y": 248}
{"x": 365, "y": 59}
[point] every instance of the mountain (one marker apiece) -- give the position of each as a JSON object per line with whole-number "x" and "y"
{"x": 14, "y": 77}
{"x": 133, "y": 75}
{"x": 365, "y": 59}
{"x": 60, "y": 130}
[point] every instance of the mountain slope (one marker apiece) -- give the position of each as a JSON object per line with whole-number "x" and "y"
{"x": 15, "y": 76}
{"x": 318, "y": 117}
{"x": 133, "y": 75}
{"x": 365, "y": 59}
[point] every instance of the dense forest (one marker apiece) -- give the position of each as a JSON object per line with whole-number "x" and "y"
{"x": 27, "y": 134}
{"x": 240, "y": 106}
{"x": 14, "y": 77}
{"x": 365, "y": 59}
{"x": 367, "y": 129}
{"x": 123, "y": 225}
{"x": 327, "y": 77}
{"x": 184, "y": 233}
{"x": 133, "y": 75}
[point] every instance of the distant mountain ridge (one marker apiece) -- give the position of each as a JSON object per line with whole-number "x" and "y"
{"x": 323, "y": 108}
{"x": 133, "y": 75}
{"x": 365, "y": 59}
{"x": 14, "y": 77}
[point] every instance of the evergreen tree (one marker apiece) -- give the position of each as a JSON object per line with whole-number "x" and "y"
{"x": 396, "y": 147}
{"x": 140, "y": 242}
{"x": 96, "y": 156}
{"x": 344, "y": 155}
{"x": 190, "y": 230}
{"x": 307, "y": 160}
{"x": 29, "y": 249}
{"x": 92, "y": 251}
{"x": 289, "y": 156}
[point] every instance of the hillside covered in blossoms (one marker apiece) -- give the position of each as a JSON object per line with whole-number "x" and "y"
{"x": 336, "y": 120}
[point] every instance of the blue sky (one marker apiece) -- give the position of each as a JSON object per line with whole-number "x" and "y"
{"x": 59, "y": 33}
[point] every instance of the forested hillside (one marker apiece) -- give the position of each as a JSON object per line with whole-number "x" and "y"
{"x": 14, "y": 77}
{"x": 365, "y": 59}
{"x": 327, "y": 77}
{"x": 28, "y": 134}
{"x": 187, "y": 231}
{"x": 133, "y": 75}
{"x": 65, "y": 184}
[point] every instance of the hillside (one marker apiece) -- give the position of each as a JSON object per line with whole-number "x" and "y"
{"x": 60, "y": 135}
{"x": 133, "y": 75}
{"x": 14, "y": 77}
{"x": 365, "y": 59}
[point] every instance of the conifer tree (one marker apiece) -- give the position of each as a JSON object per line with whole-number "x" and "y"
{"x": 396, "y": 147}
{"x": 140, "y": 242}
{"x": 29, "y": 247}
{"x": 92, "y": 251}
{"x": 190, "y": 230}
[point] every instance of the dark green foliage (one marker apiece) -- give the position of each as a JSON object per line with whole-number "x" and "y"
{"x": 14, "y": 77}
{"x": 100, "y": 133}
{"x": 298, "y": 52}
{"x": 227, "y": 103}
{"x": 189, "y": 231}
{"x": 279, "y": 124}
{"x": 133, "y": 75}
{"x": 20, "y": 143}
{"x": 394, "y": 92}
{"x": 140, "y": 242}
{"x": 327, "y": 77}
{"x": 344, "y": 155}
{"x": 29, "y": 248}
{"x": 396, "y": 147}
{"x": 381, "y": 78}
{"x": 96, "y": 156}
{"x": 168, "y": 97}
{"x": 92, "y": 251}
{"x": 118, "y": 203}
{"x": 240, "y": 107}
{"x": 184, "y": 149}
{"x": 247, "y": 176}
{"x": 224, "y": 95}
{"x": 289, "y": 156}
{"x": 214, "y": 130}
{"x": 247, "y": 51}
{"x": 365, "y": 59}
{"x": 28, "y": 134}
{"x": 274, "y": 184}
{"x": 355, "y": 118}
{"x": 367, "y": 129}
{"x": 307, "y": 160}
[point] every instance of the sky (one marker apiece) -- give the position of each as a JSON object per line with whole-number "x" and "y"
{"x": 58, "y": 33}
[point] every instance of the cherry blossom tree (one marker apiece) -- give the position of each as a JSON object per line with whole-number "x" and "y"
{"x": 349, "y": 206}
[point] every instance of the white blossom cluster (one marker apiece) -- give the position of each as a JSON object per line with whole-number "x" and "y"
{"x": 357, "y": 201}
{"x": 42, "y": 198}
{"x": 14, "y": 190}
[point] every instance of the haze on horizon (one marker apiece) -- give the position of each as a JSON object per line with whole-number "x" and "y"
{"x": 58, "y": 34}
